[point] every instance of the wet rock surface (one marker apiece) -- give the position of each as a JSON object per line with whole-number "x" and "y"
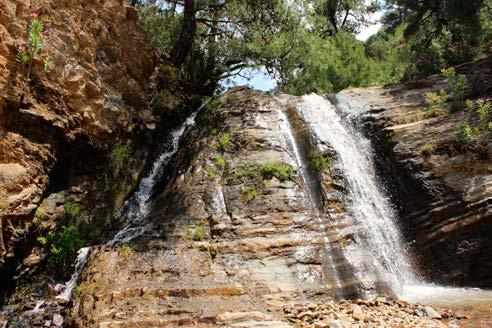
{"x": 445, "y": 193}
{"x": 230, "y": 242}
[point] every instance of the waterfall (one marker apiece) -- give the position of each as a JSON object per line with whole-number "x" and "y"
{"x": 377, "y": 235}
{"x": 136, "y": 208}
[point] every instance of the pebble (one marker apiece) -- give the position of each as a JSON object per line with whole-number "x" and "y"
{"x": 368, "y": 313}
{"x": 431, "y": 313}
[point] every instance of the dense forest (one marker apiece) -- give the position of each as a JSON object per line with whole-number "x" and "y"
{"x": 310, "y": 46}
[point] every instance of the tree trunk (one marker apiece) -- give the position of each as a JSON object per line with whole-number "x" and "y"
{"x": 184, "y": 44}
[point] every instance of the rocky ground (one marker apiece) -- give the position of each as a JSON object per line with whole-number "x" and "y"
{"x": 379, "y": 312}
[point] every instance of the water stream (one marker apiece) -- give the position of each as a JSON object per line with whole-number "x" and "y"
{"x": 136, "y": 209}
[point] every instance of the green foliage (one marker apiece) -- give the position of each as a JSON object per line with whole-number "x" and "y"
{"x": 73, "y": 210}
{"x": 469, "y": 104}
{"x": 483, "y": 111}
{"x": 281, "y": 171}
{"x": 85, "y": 288}
{"x": 466, "y": 134}
{"x": 198, "y": 233}
{"x": 248, "y": 170}
{"x": 249, "y": 193}
{"x": 167, "y": 76}
{"x": 39, "y": 213}
{"x": 456, "y": 82}
{"x": 224, "y": 140}
{"x": 319, "y": 161}
{"x": 428, "y": 149}
{"x": 434, "y": 99}
{"x": 125, "y": 252}
{"x": 28, "y": 51}
{"x": 119, "y": 156}
{"x": 42, "y": 240}
{"x": 160, "y": 97}
{"x": 219, "y": 161}
{"x": 211, "y": 173}
{"x": 63, "y": 247}
{"x": 207, "y": 114}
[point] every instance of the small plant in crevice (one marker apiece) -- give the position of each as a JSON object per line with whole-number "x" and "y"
{"x": 125, "y": 252}
{"x": 198, "y": 233}
{"x": 75, "y": 211}
{"x": 31, "y": 48}
{"x": 247, "y": 171}
{"x": 62, "y": 246}
{"x": 434, "y": 99}
{"x": 211, "y": 173}
{"x": 457, "y": 84}
{"x": 281, "y": 171}
{"x": 84, "y": 288}
{"x": 473, "y": 136}
{"x": 466, "y": 134}
{"x": 428, "y": 149}
{"x": 219, "y": 161}
{"x": 249, "y": 193}
{"x": 39, "y": 213}
{"x": 224, "y": 140}
{"x": 319, "y": 161}
{"x": 120, "y": 153}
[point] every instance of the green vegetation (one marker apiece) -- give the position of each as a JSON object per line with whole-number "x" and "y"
{"x": 281, "y": 171}
{"x": 211, "y": 173}
{"x": 120, "y": 153}
{"x": 63, "y": 246}
{"x": 457, "y": 84}
{"x": 248, "y": 170}
{"x": 84, "y": 288}
{"x": 39, "y": 213}
{"x": 471, "y": 135}
{"x": 125, "y": 252}
{"x": 219, "y": 161}
{"x": 319, "y": 161}
{"x": 30, "y": 50}
{"x": 75, "y": 211}
{"x": 198, "y": 233}
{"x": 249, "y": 193}
{"x": 435, "y": 99}
{"x": 428, "y": 149}
{"x": 224, "y": 140}
{"x": 265, "y": 171}
{"x": 466, "y": 134}
{"x": 310, "y": 46}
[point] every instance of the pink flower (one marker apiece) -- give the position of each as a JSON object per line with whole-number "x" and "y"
{"x": 481, "y": 101}
{"x": 34, "y": 14}
{"x": 22, "y": 48}
{"x": 43, "y": 36}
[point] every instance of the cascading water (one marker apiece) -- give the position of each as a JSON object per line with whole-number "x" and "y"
{"x": 377, "y": 233}
{"x": 135, "y": 209}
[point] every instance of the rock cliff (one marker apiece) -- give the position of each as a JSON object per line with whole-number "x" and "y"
{"x": 58, "y": 128}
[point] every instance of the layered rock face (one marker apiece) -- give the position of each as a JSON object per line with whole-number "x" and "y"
{"x": 231, "y": 240}
{"x": 56, "y": 128}
{"x": 445, "y": 188}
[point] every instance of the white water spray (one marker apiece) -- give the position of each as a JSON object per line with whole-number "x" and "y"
{"x": 377, "y": 233}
